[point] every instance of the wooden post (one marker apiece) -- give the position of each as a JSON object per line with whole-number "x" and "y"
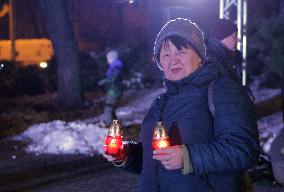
{"x": 12, "y": 31}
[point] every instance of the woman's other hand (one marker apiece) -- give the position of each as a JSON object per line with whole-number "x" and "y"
{"x": 171, "y": 158}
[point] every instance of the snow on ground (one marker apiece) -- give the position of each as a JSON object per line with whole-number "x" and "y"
{"x": 59, "y": 137}
{"x": 84, "y": 137}
{"x": 134, "y": 111}
{"x": 268, "y": 126}
{"x": 261, "y": 93}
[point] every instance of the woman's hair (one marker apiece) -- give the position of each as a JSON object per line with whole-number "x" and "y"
{"x": 179, "y": 43}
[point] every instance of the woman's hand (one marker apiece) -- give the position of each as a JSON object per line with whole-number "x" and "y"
{"x": 109, "y": 157}
{"x": 171, "y": 157}
{"x": 119, "y": 158}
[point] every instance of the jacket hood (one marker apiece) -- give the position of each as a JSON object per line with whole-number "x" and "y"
{"x": 214, "y": 45}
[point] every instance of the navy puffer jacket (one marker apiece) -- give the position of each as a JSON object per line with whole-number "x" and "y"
{"x": 219, "y": 148}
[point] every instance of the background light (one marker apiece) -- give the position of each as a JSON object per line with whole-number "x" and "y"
{"x": 43, "y": 64}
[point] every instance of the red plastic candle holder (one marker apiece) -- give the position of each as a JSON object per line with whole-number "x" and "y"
{"x": 113, "y": 141}
{"x": 113, "y": 145}
{"x": 160, "y": 137}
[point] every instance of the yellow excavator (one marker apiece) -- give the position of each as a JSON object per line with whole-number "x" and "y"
{"x": 28, "y": 51}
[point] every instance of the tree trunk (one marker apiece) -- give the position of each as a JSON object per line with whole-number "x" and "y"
{"x": 282, "y": 96}
{"x": 66, "y": 51}
{"x": 154, "y": 25}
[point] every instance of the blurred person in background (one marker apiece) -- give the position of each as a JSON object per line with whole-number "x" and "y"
{"x": 112, "y": 84}
{"x": 222, "y": 47}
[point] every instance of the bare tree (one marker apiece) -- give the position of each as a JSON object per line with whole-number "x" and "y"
{"x": 66, "y": 50}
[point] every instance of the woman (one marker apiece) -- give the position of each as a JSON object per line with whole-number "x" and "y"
{"x": 207, "y": 154}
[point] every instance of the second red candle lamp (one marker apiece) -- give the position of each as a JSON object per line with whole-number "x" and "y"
{"x": 160, "y": 137}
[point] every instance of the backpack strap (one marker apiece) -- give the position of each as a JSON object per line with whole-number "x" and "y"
{"x": 212, "y": 110}
{"x": 210, "y": 98}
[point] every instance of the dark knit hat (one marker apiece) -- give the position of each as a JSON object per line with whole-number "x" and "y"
{"x": 184, "y": 28}
{"x": 223, "y": 28}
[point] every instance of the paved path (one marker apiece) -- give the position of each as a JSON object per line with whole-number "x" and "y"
{"x": 22, "y": 172}
{"x": 112, "y": 180}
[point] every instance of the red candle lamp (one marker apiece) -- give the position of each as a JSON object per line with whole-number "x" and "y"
{"x": 113, "y": 141}
{"x": 160, "y": 137}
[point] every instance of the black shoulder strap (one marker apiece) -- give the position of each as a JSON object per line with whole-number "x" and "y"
{"x": 162, "y": 106}
{"x": 210, "y": 98}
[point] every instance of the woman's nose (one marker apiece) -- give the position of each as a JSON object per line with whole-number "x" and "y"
{"x": 175, "y": 58}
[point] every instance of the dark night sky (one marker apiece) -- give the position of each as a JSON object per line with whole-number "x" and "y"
{"x": 94, "y": 19}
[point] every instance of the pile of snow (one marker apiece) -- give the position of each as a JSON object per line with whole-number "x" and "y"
{"x": 83, "y": 137}
{"x": 59, "y": 137}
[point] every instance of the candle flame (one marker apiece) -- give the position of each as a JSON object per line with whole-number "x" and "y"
{"x": 113, "y": 143}
{"x": 163, "y": 144}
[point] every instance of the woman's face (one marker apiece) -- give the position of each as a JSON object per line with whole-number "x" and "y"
{"x": 178, "y": 64}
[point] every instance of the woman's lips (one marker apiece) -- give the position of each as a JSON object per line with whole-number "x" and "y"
{"x": 176, "y": 70}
